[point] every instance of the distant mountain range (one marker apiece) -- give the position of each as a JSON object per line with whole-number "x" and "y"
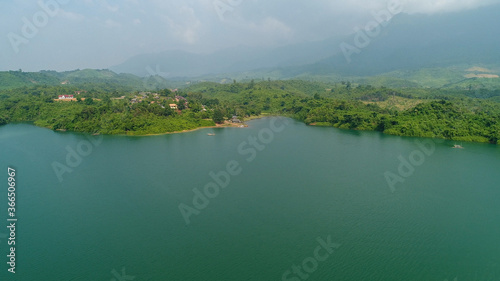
{"x": 455, "y": 50}
{"x": 178, "y": 63}
{"x": 460, "y": 77}
{"x": 16, "y": 79}
{"x": 408, "y": 43}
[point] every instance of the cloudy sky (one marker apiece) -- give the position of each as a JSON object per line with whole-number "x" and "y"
{"x": 71, "y": 34}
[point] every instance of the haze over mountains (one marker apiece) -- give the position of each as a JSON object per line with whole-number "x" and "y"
{"x": 184, "y": 64}
{"x": 453, "y": 50}
{"x": 407, "y": 43}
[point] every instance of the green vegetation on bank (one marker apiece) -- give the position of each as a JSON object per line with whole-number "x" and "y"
{"x": 457, "y": 114}
{"x": 100, "y": 113}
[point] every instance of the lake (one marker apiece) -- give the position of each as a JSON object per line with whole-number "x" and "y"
{"x": 278, "y": 200}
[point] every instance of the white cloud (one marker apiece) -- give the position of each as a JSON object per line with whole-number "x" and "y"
{"x": 185, "y": 25}
{"x": 109, "y": 23}
{"x": 111, "y": 8}
{"x": 442, "y": 6}
{"x": 71, "y": 16}
{"x": 271, "y": 28}
{"x": 411, "y": 6}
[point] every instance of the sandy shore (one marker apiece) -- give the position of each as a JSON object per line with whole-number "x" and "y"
{"x": 227, "y": 124}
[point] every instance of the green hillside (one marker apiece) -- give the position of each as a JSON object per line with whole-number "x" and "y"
{"x": 17, "y": 79}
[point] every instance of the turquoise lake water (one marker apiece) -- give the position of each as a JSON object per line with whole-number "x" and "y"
{"x": 113, "y": 211}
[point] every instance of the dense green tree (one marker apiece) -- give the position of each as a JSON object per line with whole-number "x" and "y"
{"x": 218, "y": 116}
{"x": 89, "y": 101}
{"x": 181, "y": 104}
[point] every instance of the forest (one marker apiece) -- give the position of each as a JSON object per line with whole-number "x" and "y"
{"x": 462, "y": 114}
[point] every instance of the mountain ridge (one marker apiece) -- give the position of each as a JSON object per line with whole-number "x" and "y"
{"x": 407, "y": 42}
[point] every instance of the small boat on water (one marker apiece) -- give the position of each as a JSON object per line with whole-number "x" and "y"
{"x": 458, "y": 146}
{"x": 211, "y": 134}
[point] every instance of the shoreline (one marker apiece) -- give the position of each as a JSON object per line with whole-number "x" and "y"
{"x": 188, "y": 131}
{"x": 435, "y": 139}
{"x": 227, "y": 124}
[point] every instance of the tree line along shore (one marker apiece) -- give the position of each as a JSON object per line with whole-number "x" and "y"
{"x": 455, "y": 114}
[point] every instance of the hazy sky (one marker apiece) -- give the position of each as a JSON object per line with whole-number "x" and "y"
{"x": 71, "y": 34}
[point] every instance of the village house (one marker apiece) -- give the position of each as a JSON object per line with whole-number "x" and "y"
{"x": 173, "y": 106}
{"x": 181, "y": 98}
{"x": 65, "y": 97}
{"x": 236, "y": 120}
